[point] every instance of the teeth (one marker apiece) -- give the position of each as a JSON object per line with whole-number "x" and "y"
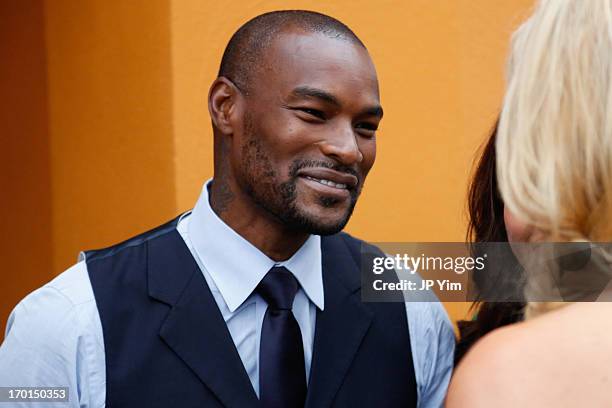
{"x": 327, "y": 182}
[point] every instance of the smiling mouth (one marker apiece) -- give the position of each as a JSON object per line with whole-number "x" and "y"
{"x": 328, "y": 183}
{"x": 330, "y": 180}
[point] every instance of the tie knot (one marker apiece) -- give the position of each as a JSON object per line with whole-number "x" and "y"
{"x": 278, "y": 288}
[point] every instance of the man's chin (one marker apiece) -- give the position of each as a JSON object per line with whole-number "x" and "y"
{"x": 323, "y": 223}
{"x": 324, "y": 229}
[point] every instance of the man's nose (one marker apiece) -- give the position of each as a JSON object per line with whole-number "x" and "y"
{"x": 342, "y": 146}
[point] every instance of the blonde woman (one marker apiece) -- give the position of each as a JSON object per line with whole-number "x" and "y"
{"x": 554, "y": 152}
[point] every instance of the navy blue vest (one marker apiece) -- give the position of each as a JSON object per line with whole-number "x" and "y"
{"x": 167, "y": 345}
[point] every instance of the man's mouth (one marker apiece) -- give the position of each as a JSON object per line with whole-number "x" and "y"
{"x": 330, "y": 184}
{"x": 327, "y": 182}
{"x": 330, "y": 178}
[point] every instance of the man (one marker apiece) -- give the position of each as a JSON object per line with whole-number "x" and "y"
{"x": 253, "y": 298}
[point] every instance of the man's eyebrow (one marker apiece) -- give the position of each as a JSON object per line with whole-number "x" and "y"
{"x": 309, "y": 92}
{"x": 373, "y": 111}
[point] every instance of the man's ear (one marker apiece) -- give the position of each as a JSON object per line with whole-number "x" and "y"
{"x": 223, "y": 104}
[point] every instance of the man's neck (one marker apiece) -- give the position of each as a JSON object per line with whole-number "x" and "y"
{"x": 254, "y": 224}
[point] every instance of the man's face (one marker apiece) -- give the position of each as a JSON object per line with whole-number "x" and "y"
{"x": 308, "y": 139}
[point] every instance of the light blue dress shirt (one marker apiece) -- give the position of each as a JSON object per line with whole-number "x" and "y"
{"x": 54, "y": 336}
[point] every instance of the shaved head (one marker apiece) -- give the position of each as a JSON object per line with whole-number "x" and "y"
{"x": 243, "y": 54}
{"x": 295, "y": 110}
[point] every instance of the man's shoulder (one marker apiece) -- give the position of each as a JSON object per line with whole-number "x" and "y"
{"x": 356, "y": 245}
{"x": 353, "y": 241}
{"x": 58, "y": 310}
{"x": 64, "y": 293}
{"x": 73, "y": 284}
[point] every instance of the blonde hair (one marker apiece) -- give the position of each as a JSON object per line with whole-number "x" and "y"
{"x": 554, "y": 141}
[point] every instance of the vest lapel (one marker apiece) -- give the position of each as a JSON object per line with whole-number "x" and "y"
{"x": 194, "y": 328}
{"x": 340, "y": 328}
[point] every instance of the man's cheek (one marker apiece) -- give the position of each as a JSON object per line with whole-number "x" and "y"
{"x": 368, "y": 163}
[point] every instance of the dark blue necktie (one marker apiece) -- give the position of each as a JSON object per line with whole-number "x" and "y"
{"x": 282, "y": 374}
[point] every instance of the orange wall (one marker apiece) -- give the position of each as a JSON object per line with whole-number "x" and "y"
{"x": 25, "y": 184}
{"x": 110, "y": 121}
{"x": 113, "y": 129}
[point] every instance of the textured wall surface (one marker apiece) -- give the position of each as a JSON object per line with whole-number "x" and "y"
{"x": 105, "y": 130}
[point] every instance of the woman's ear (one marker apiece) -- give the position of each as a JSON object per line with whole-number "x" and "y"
{"x": 223, "y": 100}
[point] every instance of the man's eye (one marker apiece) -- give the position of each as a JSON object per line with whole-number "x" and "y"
{"x": 367, "y": 127}
{"x": 313, "y": 112}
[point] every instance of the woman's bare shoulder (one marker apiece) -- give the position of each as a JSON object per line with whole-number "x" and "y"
{"x": 534, "y": 363}
{"x": 489, "y": 369}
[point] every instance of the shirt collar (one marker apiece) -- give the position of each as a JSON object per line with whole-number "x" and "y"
{"x": 237, "y": 267}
